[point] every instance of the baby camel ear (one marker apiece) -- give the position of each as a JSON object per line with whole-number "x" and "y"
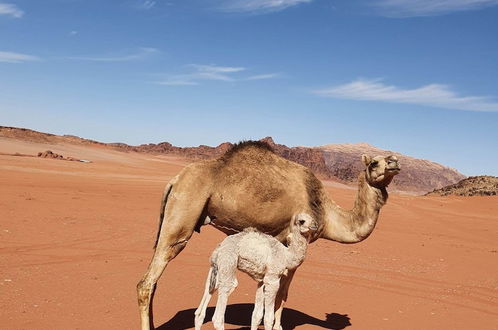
{"x": 366, "y": 159}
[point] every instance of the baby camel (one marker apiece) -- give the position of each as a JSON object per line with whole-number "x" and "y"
{"x": 263, "y": 258}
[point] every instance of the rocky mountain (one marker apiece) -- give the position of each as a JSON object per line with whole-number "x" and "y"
{"x": 26, "y": 134}
{"x": 341, "y": 162}
{"x": 417, "y": 175}
{"x": 472, "y": 186}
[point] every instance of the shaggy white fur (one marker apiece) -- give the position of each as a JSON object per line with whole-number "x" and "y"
{"x": 263, "y": 258}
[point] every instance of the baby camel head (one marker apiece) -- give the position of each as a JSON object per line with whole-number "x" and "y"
{"x": 304, "y": 224}
{"x": 380, "y": 170}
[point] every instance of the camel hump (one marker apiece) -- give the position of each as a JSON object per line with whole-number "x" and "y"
{"x": 244, "y": 145}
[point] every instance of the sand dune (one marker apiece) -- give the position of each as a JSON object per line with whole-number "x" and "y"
{"x": 75, "y": 239}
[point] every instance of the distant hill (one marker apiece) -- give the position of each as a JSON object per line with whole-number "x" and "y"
{"x": 471, "y": 186}
{"x": 341, "y": 162}
{"x": 417, "y": 175}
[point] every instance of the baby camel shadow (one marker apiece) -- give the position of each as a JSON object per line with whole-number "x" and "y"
{"x": 240, "y": 315}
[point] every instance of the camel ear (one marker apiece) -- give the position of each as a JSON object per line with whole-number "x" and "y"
{"x": 366, "y": 159}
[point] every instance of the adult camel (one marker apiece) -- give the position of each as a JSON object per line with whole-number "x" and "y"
{"x": 251, "y": 186}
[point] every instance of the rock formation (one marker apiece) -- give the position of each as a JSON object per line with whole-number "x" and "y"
{"x": 472, "y": 186}
{"x": 340, "y": 162}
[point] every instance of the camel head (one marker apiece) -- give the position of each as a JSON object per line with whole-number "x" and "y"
{"x": 380, "y": 170}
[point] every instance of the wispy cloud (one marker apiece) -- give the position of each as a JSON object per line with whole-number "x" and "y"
{"x": 10, "y": 57}
{"x": 213, "y": 72}
{"x": 264, "y": 76}
{"x": 141, "y": 53}
{"x": 200, "y": 72}
{"x": 409, "y": 8}
{"x": 178, "y": 80}
{"x": 433, "y": 95}
{"x": 259, "y": 5}
{"x": 147, "y": 4}
{"x": 11, "y": 10}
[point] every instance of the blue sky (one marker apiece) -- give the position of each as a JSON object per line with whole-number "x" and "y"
{"x": 418, "y": 77}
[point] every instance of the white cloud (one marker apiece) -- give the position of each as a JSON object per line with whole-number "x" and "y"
{"x": 200, "y": 72}
{"x": 212, "y": 72}
{"x": 141, "y": 53}
{"x": 179, "y": 80}
{"x": 10, "y": 9}
{"x": 433, "y": 95}
{"x": 409, "y": 8}
{"x": 218, "y": 69}
{"x": 259, "y": 5}
{"x": 10, "y": 57}
{"x": 264, "y": 76}
{"x": 147, "y": 4}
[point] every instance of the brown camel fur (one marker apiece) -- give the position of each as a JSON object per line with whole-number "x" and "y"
{"x": 250, "y": 186}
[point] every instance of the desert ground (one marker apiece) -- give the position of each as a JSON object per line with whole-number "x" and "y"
{"x": 75, "y": 238}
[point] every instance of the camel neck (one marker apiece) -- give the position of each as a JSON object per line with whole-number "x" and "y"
{"x": 296, "y": 249}
{"x": 352, "y": 226}
{"x": 369, "y": 199}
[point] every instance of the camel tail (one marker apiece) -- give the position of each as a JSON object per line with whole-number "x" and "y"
{"x": 164, "y": 199}
{"x": 213, "y": 275}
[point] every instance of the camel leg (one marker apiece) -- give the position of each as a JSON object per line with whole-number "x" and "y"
{"x": 224, "y": 290}
{"x": 271, "y": 288}
{"x": 282, "y": 295}
{"x": 200, "y": 312}
{"x": 147, "y": 286}
{"x": 175, "y": 231}
{"x": 257, "y": 313}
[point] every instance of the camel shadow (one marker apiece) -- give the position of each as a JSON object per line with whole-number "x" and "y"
{"x": 240, "y": 315}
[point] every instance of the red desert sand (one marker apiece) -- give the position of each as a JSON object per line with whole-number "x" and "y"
{"x": 75, "y": 238}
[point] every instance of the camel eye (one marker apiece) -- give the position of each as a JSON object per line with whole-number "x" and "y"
{"x": 374, "y": 164}
{"x": 301, "y": 222}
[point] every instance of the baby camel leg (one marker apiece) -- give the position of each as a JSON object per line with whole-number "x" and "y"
{"x": 200, "y": 312}
{"x": 271, "y": 288}
{"x": 257, "y": 313}
{"x": 282, "y": 295}
{"x": 224, "y": 290}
